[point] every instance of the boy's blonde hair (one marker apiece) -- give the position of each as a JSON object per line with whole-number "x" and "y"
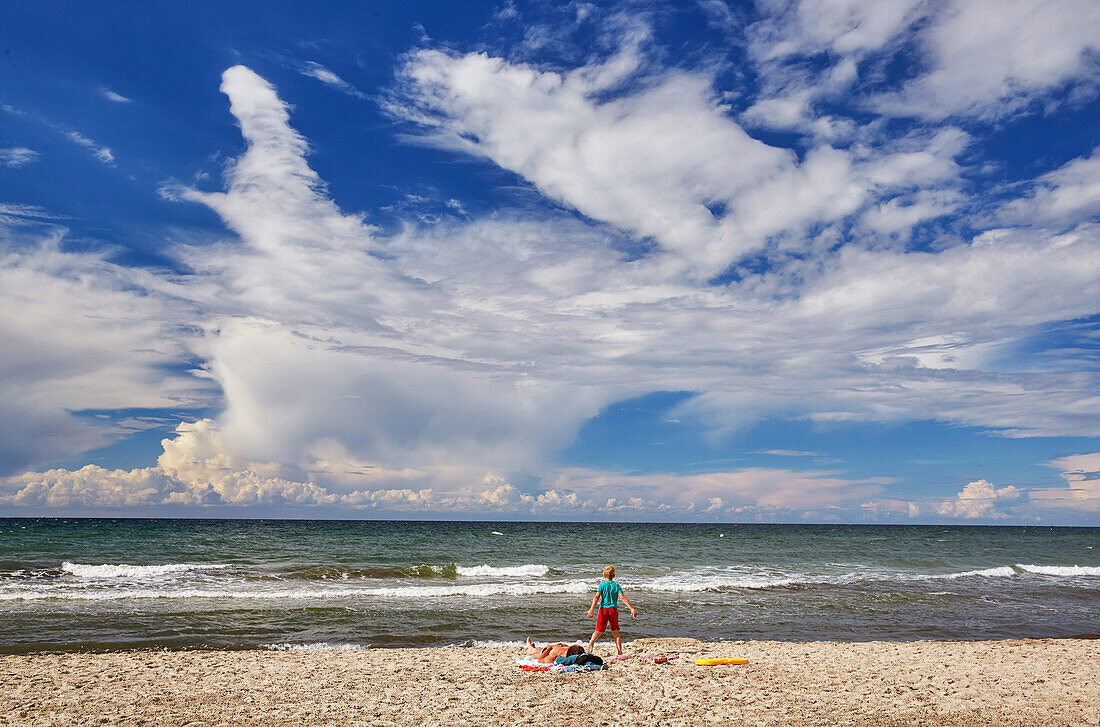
{"x": 609, "y": 572}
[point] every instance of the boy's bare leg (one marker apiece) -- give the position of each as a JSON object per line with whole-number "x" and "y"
{"x": 592, "y": 642}
{"x": 618, "y": 642}
{"x": 532, "y": 650}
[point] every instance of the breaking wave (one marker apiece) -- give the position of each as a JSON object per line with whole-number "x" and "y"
{"x": 686, "y": 583}
{"x": 122, "y": 570}
{"x": 1061, "y": 570}
{"x": 999, "y": 572}
{"x": 449, "y": 570}
{"x": 530, "y": 571}
{"x": 118, "y": 582}
{"x": 336, "y": 573}
{"x": 405, "y": 592}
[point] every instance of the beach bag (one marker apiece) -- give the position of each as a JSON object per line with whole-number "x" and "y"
{"x": 584, "y": 659}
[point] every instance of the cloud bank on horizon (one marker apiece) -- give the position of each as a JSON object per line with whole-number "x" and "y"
{"x": 810, "y": 235}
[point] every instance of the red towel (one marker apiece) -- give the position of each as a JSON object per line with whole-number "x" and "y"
{"x": 528, "y": 667}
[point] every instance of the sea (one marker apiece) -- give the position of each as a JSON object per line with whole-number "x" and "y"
{"x": 69, "y": 585}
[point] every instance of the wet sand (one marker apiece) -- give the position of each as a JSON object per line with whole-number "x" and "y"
{"x": 1029, "y": 682}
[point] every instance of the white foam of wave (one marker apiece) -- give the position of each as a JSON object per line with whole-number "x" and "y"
{"x": 405, "y": 592}
{"x": 1061, "y": 570}
{"x": 518, "y": 571}
{"x": 122, "y": 570}
{"x": 316, "y": 646}
{"x": 1005, "y": 571}
{"x": 686, "y": 583}
{"x": 998, "y": 572}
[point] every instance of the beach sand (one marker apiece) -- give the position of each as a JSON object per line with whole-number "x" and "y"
{"x": 1032, "y": 682}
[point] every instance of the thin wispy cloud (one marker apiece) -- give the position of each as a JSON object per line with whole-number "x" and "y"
{"x": 17, "y": 156}
{"x": 327, "y": 77}
{"x": 101, "y": 153}
{"x": 113, "y": 96}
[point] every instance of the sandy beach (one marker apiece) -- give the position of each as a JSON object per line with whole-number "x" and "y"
{"x": 1048, "y": 682}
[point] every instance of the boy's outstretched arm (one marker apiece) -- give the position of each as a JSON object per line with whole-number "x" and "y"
{"x": 633, "y": 611}
{"x": 595, "y": 600}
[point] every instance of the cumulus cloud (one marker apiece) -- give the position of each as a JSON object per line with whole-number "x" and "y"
{"x": 79, "y": 333}
{"x": 197, "y": 468}
{"x": 387, "y": 355}
{"x": 706, "y": 191}
{"x": 90, "y": 486}
{"x": 435, "y": 367}
{"x": 878, "y": 509}
{"x": 17, "y": 156}
{"x": 979, "y": 499}
{"x": 1082, "y": 492}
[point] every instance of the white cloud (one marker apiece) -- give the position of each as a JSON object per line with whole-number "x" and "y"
{"x": 718, "y": 492}
{"x": 78, "y": 333}
{"x": 435, "y": 367}
{"x": 400, "y": 384}
{"x": 195, "y": 469}
{"x": 840, "y": 36}
{"x": 1067, "y": 195}
{"x": 90, "y": 486}
{"x": 992, "y": 57}
{"x": 198, "y": 468}
{"x": 665, "y": 161}
{"x": 975, "y": 58}
{"x": 979, "y": 499}
{"x": 113, "y": 96}
{"x": 879, "y": 509}
{"x": 327, "y": 77}
{"x": 17, "y": 156}
{"x": 842, "y": 27}
{"x": 101, "y": 153}
{"x": 1082, "y": 492}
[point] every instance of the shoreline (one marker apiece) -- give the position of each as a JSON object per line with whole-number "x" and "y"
{"x": 318, "y": 646}
{"x": 1025, "y": 681}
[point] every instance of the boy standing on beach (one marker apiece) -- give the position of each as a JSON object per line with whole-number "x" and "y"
{"x": 607, "y": 596}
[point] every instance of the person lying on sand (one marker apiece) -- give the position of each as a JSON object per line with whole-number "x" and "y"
{"x": 548, "y": 653}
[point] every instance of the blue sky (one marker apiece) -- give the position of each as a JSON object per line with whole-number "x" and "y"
{"x": 775, "y": 261}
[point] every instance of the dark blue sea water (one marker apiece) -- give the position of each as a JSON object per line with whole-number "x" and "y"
{"x": 93, "y": 584}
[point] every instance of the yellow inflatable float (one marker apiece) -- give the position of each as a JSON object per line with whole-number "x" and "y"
{"x": 716, "y": 662}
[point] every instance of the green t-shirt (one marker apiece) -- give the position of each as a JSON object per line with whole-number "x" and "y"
{"x": 609, "y": 594}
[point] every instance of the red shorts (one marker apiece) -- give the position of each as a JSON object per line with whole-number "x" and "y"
{"x": 609, "y": 617}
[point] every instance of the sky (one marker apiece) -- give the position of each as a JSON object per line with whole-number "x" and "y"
{"x": 771, "y": 261}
